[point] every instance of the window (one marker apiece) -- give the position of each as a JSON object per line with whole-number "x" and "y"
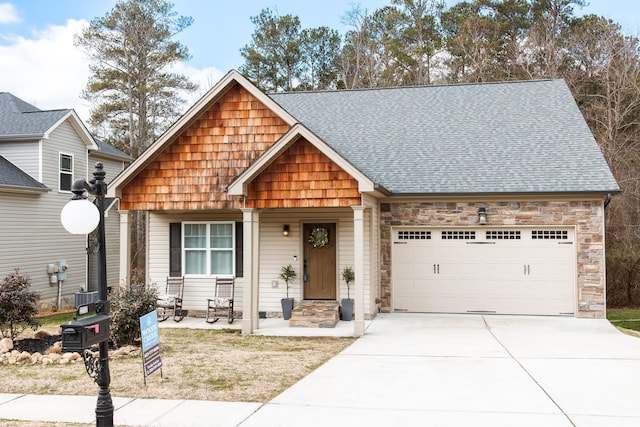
{"x": 66, "y": 172}
{"x": 458, "y": 235}
{"x": 549, "y": 234}
{"x": 208, "y": 248}
{"x": 414, "y": 235}
{"x": 503, "y": 235}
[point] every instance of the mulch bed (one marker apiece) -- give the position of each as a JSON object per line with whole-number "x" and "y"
{"x": 35, "y": 345}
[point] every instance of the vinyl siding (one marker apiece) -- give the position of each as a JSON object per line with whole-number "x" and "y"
{"x": 196, "y": 289}
{"x": 25, "y": 155}
{"x": 32, "y": 235}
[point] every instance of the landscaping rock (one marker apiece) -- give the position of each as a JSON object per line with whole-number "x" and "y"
{"x": 6, "y": 344}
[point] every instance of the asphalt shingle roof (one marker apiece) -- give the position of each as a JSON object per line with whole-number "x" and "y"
{"x": 20, "y": 119}
{"x": 13, "y": 176}
{"x": 513, "y": 137}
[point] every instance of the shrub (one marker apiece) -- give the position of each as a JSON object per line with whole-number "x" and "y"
{"x": 128, "y": 305}
{"x": 17, "y": 305}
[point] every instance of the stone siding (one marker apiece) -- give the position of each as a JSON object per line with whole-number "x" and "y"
{"x": 586, "y": 216}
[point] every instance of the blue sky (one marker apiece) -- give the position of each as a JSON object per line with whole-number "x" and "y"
{"x": 39, "y": 63}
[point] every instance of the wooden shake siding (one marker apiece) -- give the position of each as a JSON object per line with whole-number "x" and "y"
{"x": 192, "y": 172}
{"x": 303, "y": 177}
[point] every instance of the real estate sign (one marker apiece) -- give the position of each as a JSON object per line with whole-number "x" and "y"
{"x": 150, "y": 343}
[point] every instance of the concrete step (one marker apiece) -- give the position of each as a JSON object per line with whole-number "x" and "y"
{"x": 315, "y": 314}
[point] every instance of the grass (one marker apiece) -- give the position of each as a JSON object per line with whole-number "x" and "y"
{"x": 625, "y": 318}
{"x": 217, "y": 365}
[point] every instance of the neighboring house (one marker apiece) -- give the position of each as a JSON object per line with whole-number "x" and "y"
{"x": 478, "y": 198}
{"x": 41, "y": 153}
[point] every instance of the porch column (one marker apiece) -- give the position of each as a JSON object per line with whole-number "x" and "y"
{"x": 125, "y": 248}
{"x": 358, "y": 245}
{"x": 251, "y": 232}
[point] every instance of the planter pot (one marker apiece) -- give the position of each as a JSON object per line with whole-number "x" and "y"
{"x": 346, "y": 312}
{"x": 287, "y": 307}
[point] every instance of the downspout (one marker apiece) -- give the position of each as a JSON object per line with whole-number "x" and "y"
{"x": 607, "y": 200}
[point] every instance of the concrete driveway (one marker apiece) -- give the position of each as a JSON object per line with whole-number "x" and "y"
{"x": 459, "y": 370}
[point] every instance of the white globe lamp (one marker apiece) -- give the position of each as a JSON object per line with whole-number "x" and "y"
{"x": 80, "y": 216}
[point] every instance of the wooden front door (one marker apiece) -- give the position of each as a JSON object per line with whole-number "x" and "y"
{"x": 319, "y": 261}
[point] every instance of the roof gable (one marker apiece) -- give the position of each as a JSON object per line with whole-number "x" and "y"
{"x": 20, "y": 120}
{"x": 232, "y": 79}
{"x": 194, "y": 170}
{"x": 302, "y": 177}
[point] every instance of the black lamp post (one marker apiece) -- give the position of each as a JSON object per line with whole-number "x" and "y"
{"x": 79, "y": 216}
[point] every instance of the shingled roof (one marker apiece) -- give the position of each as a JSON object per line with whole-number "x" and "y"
{"x": 14, "y": 178}
{"x": 22, "y": 120}
{"x": 490, "y": 138}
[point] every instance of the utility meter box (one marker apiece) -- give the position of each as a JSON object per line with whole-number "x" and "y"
{"x": 78, "y": 335}
{"x": 62, "y": 269}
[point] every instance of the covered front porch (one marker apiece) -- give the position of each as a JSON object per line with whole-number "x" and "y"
{"x": 262, "y": 242}
{"x": 273, "y": 239}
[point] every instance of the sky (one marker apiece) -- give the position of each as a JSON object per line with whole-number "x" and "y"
{"x": 40, "y": 64}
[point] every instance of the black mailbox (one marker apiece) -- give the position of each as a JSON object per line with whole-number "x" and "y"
{"x": 81, "y": 334}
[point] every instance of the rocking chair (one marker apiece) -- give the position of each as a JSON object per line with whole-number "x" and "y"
{"x": 170, "y": 303}
{"x": 222, "y": 301}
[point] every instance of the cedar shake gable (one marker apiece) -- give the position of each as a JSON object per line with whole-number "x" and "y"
{"x": 194, "y": 171}
{"x": 302, "y": 177}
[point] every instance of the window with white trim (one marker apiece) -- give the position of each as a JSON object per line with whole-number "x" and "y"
{"x": 65, "y": 168}
{"x": 208, "y": 248}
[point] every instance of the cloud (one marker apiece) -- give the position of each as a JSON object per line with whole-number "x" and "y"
{"x": 47, "y": 70}
{"x": 8, "y": 14}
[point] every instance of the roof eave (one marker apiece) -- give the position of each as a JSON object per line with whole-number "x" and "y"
{"x": 594, "y": 193}
{"x": 23, "y": 190}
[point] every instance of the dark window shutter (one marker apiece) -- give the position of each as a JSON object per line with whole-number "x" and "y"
{"x": 175, "y": 249}
{"x": 239, "y": 249}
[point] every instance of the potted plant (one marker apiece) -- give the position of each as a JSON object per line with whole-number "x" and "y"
{"x": 288, "y": 274}
{"x": 346, "y": 313}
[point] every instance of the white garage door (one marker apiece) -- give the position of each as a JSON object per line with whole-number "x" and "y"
{"x": 509, "y": 271}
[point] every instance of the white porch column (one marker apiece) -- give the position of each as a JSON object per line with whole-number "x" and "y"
{"x": 251, "y": 232}
{"x": 358, "y": 245}
{"x": 125, "y": 248}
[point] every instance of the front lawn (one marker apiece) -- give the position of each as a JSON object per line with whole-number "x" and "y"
{"x": 626, "y": 318}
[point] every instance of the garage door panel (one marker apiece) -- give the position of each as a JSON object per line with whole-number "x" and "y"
{"x": 511, "y": 271}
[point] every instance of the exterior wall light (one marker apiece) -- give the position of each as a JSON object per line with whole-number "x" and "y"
{"x": 482, "y": 216}
{"x": 285, "y": 230}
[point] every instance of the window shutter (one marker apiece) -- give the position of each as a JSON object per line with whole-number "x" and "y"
{"x": 175, "y": 249}
{"x": 239, "y": 249}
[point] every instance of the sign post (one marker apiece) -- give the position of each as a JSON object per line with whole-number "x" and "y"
{"x": 150, "y": 336}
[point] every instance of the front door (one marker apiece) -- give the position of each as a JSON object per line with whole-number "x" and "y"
{"x": 319, "y": 261}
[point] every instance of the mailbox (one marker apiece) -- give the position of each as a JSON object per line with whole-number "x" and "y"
{"x": 81, "y": 334}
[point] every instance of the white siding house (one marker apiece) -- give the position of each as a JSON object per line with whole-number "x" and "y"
{"x": 41, "y": 153}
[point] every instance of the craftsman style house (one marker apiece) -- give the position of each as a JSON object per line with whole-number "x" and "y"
{"x": 41, "y": 153}
{"x": 479, "y": 198}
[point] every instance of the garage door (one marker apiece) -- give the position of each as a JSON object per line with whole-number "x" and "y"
{"x": 505, "y": 271}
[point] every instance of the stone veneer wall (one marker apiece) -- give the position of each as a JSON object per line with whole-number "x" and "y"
{"x": 586, "y": 216}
